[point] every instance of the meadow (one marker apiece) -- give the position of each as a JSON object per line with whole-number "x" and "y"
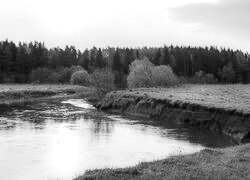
{"x": 231, "y": 97}
{"x": 15, "y": 93}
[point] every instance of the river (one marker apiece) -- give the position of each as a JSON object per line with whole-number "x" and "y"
{"x": 61, "y": 139}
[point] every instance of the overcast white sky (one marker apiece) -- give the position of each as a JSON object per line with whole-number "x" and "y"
{"x": 85, "y": 23}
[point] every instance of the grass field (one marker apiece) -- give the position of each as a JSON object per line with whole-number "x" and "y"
{"x": 229, "y": 97}
{"x": 30, "y": 87}
{"x": 11, "y": 93}
{"x": 229, "y": 163}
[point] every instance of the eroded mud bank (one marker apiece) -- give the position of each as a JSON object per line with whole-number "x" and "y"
{"x": 230, "y": 122}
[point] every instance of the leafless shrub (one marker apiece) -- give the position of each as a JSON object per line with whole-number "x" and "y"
{"x": 80, "y": 78}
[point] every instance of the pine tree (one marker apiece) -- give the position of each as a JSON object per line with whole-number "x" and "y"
{"x": 127, "y": 58}
{"x": 157, "y": 57}
{"x": 116, "y": 61}
{"x": 99, "y": 59}
{"x": 85, "y": 59}
{"x": 165, "y": 59}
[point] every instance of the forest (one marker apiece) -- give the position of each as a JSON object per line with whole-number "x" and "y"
{"x": 19, "y": 63}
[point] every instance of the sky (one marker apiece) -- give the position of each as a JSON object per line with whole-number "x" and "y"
{"x": 132, "y": 23}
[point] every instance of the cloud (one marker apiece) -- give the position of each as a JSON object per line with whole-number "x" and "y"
{"x": 229, "y": 17}
{"x": 85, "y": 23}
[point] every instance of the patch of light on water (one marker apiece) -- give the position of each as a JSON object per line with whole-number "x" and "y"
{"x": 121, "y": 119}
{"x": 79, "y": 103}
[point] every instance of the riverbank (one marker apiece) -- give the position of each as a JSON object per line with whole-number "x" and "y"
{"x": 228, "y": 163}
{"x": 19, "y": 93}
{"x": 224, "y": 108}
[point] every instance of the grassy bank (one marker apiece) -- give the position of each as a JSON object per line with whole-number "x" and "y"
{"x": 219, "y": 107}
{"x": 233, "y": 97}
{"x": 16, "y": 93}
{"x": 222, "y": 108}
{"x": 229, "y": 163}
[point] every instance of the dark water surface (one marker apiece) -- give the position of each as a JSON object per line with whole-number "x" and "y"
{"x": 60, "y": 140}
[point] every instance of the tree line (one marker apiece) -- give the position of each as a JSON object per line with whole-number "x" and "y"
{"x": 17, "y": 61}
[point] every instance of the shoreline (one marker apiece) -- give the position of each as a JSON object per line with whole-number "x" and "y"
{"x": 226, "y": 163}
{"x": 161, "y": 104}
{"x": 18, "y": 94}
{"x": 164, "y": 104}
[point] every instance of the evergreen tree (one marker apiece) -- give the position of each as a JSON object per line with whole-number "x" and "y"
{"x": 227, "y": 73}
{"x": 93, "y": 54}
{"x": 99, "y": 59}
{"x": 127, "y": 58}
{"x": 165, "y": 59}
{"x": 85, "y": 59}
{"x": 157, "y": 57}
{"x": 18, "y": 61}
{"x": 116, "y": 61}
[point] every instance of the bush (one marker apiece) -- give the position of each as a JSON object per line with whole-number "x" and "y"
{"x": 183, "y": 79}
{"x": 141, "y": 76}
{"x": 227, "y": 73}
{"x": 210, "y": 79}
{"x": 144, "y": 74}
{"x": 75, "y": 69}
{"x": 202, "y": 78}
{"x": 66, "y": 73}
{"x": 103, "y": 80}
{"x": 80, "y": 78}
{"x": 197, "y": 78}
{"x": 140, "y": 62}
{"x": 164, "y": 76}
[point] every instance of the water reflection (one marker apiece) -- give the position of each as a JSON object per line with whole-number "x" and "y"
{"x": 51, "y": 140}
{"x": 169, "y": 129}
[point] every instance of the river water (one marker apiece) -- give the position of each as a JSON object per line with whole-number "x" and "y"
{"x": 61, "y": 139}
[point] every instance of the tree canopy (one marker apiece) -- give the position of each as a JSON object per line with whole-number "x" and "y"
{"x": 17, "y": 61}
